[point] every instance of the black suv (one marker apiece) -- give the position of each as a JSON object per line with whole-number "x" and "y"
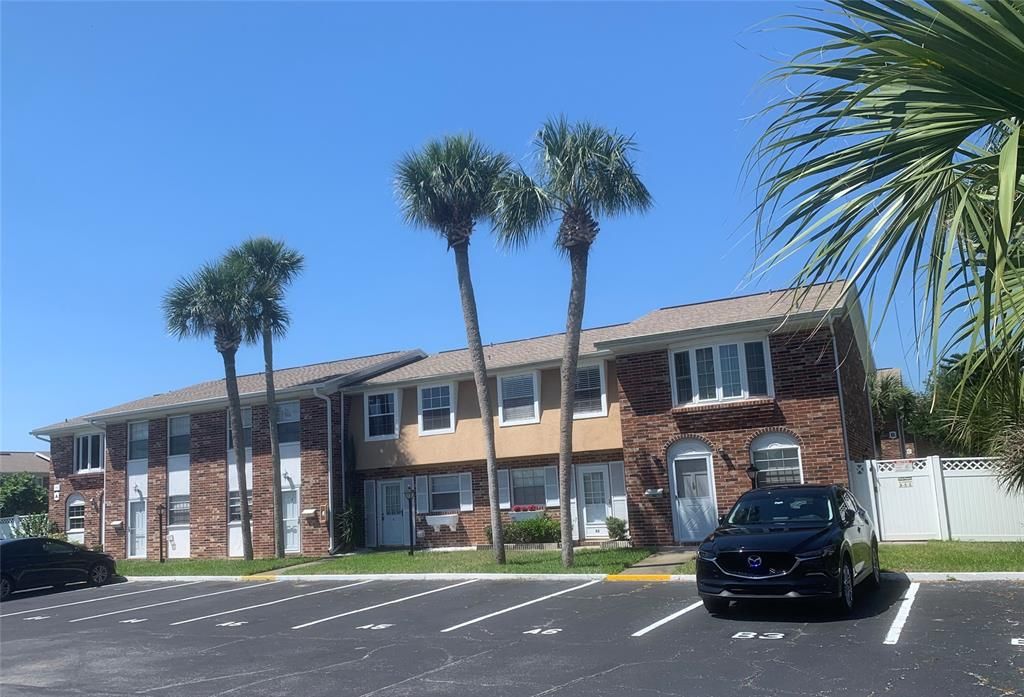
{"x": 789, "y": 542}
{"x": 33, "y": 562}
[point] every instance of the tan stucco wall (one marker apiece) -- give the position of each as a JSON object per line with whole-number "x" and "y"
{"x": 599, "y": 433}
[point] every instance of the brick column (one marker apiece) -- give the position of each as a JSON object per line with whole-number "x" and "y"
{"x": 208, "y": 485}
{"x": 262, "y": 485}
{"x": 117, "y": 485}
{"x": 313, "y": 487}
{"x": 156, "y": 502}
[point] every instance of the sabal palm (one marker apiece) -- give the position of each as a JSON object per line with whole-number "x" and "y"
{"x": 584, "y": 172}
{"x": 448, "y": 187}
{"x": 895, "y": 160}
{"x": 215, "y": 302}
{"x": 270, "y": 266}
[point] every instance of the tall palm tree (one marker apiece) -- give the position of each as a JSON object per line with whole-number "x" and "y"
{"x": 584, "y": 172}
{"x": 270, "y": 267}
{"x": 894, "y": 159}
{"x": 214, "y": 301}
{"x": 448, "y": 187}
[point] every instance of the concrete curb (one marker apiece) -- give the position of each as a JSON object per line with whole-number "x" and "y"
{"x": 929, "y": 576}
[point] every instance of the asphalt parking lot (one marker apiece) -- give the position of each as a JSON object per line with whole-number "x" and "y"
{"x": 519, "y": 638}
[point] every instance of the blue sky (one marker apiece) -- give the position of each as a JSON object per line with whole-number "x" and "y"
{"x": 141, "y": 139}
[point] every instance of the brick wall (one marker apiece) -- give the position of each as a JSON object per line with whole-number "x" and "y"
{"x": 806, "y": 405}
{"x": 856, "y": 404}
{"x": 89, "y": 486}
{"x": 314, "y": 533}
{"x": 116, "y": 458}
{"x": 208, "y": 485}
{"x": 156, "y": 487}
{"x": 471, "y": 525}
{"x": 262, "y": 485}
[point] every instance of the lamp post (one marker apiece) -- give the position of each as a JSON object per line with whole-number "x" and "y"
{"x": 752, "y": 473}
{"x": 410, "y": 495}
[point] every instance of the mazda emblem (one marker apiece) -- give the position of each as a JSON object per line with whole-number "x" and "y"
{"x": 754, "y": 562}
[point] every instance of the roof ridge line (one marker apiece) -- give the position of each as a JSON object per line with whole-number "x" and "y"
{"x": 770, "y": 291}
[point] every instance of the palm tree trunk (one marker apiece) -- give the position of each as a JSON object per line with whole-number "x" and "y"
{"x": 578, "y": 257}
{"x": 275, "y": 446}
{"x": 476, "y": 354}
{"x": 238, "y": 440}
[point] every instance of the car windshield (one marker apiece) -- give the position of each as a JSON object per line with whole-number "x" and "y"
{"x": 782, "y": 508}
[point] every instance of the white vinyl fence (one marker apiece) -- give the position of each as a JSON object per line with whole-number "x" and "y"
{"x": 935, "y": 498}
{"x": 9, "y": 526}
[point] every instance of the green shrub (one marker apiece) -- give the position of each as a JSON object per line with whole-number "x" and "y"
{"x": 616, "y": 528}
{"x": 38, "y": 526}
{"x": 348, "y": 527}
{"x": 530, "y": 531}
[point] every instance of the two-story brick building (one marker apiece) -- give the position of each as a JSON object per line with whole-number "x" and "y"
{"x": 677, "y": 413}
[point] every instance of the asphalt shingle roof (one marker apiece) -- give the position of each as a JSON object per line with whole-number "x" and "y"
{"x": 24, "y": 461}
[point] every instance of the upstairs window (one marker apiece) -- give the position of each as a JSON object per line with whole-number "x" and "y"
{"x": 178, "y": 435}
{"x": 436, "y": 411}
{"x": 88, "y": 453}
{"x": 288, "y": 426}
{"x": 246, "y": 428}
{"x": 720, "y": 372}
{"x": 138, "y": 440}
{"x": 381, "y": 416}
{"x": 590, "y": 392}
{"x": 518, "y": 399}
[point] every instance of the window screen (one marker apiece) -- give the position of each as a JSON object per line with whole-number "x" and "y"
{"x": 588, "y": 390}
{"x": 517, "y": 398}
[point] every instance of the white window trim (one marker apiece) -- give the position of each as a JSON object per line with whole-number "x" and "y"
{"x": 430, "y": 491}
{"x": 419, "y": 409}
{"x": 793, "y": 443}
{"x": 83, "y": 470}
{"x": 74, "y": 500}
{"x": 170, "y": 435}
{"x": 744, "y": 395}
{"x": 227, "y": 416}
{"x": 128, "y": 441}
{"x": 297, "y": 420}
{"x": 535, "y": 374}
{"x": 512, "y": 486}
{"x": 604, "y": 392}
{"x": 366, "y": 415}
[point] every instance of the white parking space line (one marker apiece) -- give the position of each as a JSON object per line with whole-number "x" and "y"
{"x": 272, "y": 602}
{"x": 901, "y": 617}
{"x": 390, "y": 602}
{"x": 666, "y": 620}
{"x": 171, "y": 602}
{"x": 516, "y": 607}
{"x": 95, "y": 600}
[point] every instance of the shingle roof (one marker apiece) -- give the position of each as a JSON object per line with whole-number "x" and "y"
{"x": 24, "y": 461}
{"x": 252, "y": 383}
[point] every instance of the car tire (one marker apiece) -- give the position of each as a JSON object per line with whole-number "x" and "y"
{"x": 715, "y": 606}
{"x": 6, "y": 587}
{"x": 844, "y": 602}
{"x": 875, "y": 579}
{"x": 99, "y": 575}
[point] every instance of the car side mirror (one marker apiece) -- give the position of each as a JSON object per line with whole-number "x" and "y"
{"x": 847, "y": 518}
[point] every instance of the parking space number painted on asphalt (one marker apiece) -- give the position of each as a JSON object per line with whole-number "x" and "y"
{"x": 232, "y": 624}
{"x": 538, "y": 630}
{"x": 37, "y": 617}
{"x": 132, "y": 621}
{"x": 756, "y": 635}
{"x": 1019, "y": 641}
{"x": 375, "y": 626}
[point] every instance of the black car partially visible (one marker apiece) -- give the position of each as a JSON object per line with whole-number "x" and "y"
{"x": 789, "y": 542}
{"x": 36, "y": 562}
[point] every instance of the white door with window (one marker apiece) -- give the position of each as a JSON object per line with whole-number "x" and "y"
{"x": 692, "y": 478}
{"x": 595, "y": 499}
{"x": 136, "y": 528}
{"x": 290, "y": 515}
{"x": 394, "y": 520}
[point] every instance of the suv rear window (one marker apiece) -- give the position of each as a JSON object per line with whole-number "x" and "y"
{"x": 783, "y": 508}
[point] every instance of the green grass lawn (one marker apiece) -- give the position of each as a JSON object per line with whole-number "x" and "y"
{"x": 204, "y": 567}
{"x": 594, "y": 561}
{"x": 939, "y": 556}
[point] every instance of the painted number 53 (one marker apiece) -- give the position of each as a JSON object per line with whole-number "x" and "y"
{"x": 755, "y": 635}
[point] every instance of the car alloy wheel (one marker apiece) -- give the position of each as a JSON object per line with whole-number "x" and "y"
{"x": 876, "y": 569}
{"x": 846, "y": 587}
{"x": 99, "y": 574}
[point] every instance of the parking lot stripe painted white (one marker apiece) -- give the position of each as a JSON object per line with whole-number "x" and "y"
{"x": 171, "y": 602}
{"x": 901, "y": 617}
{"x": 390, "y": 602}
{"x": 516, "y": 607}
{"x": 666, "y": 620}
{"x": 272, "y": 602}
{"x": 94, "y": 600}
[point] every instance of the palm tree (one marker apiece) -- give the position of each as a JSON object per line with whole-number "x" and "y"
{"x": 448, "y": 187}
{"x": 584, "y": 172}
{"x": 894, "y": 159}
{"x": 215, "y": 301}
{"x": 270, "y": 267}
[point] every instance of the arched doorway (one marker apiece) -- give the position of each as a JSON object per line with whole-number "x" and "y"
{"x": 692, "y": 477}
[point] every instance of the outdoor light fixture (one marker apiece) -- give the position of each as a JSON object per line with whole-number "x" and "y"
{"x": 410, "y": 495}
{"x": 752, "y": 473}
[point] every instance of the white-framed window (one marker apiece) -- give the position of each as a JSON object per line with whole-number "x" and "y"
{"x": 76, "y": 514}
{"x": 445, "y": 492}
{"x": 288, "y": 426}
{"x": 591, "y": 393}
{"x": 138, "y": 440}
{"x": 726, "y": 371}
{"x": 381, "y": 410}
{"x": 246, "y": 428}
{"x": 528, "y": 486}
{"x": 436, "y": 411}
{"x": 776, "y": 457}
{"x": 179, "y": 430}
{"x": 235, "y": 505}
{"x": 179, "y": 509}
{"x": 519, "y": 399}
{"x": 89, "y": 452}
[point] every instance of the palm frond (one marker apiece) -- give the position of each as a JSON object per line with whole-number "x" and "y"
{"x": 521, "y": 208}
{"x": 268, "y": 267}
{"x": 213, "y": 301}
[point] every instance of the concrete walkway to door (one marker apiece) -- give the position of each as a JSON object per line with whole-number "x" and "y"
{"x": 659, "y": 566}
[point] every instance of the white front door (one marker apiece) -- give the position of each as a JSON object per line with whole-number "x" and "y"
{"x": 290, "y": 514}
{"x": 394, "y": 525}
{"x": 694, "y": 510}
{"x": 595, "y": 499}
{"x": 136, "y": 528}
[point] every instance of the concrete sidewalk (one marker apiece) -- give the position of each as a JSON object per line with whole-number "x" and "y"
{"x": 660, "y": 566}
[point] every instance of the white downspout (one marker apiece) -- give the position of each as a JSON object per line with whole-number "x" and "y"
{"x": 330, "y": 469}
